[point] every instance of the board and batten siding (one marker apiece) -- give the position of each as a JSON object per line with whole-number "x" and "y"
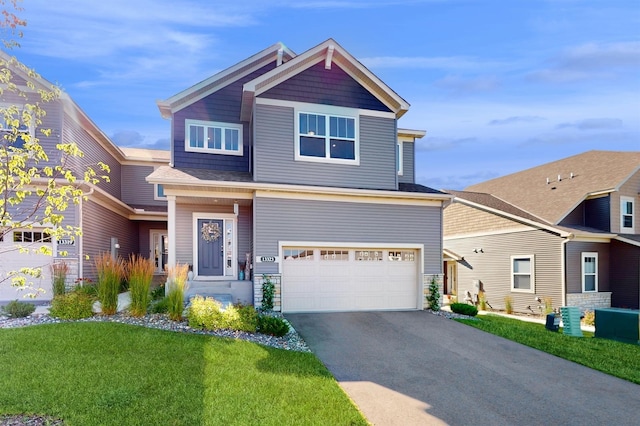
{"x": 222, "y": 106}
{"x": 185, "y": 232}
{"x": 631, "y": 189}
{"x": 344, "y": 222}
{"x": 574, "y": 264}
{"x": 492, "y": 266}
{"x": 625, "y": 275}
{"x": 460, "y": 219}
{"x": 274, "y": 153}
{"x": 99, "y": 226}
{"x": 94, "y": 153}
{"x": 408, "y": 163}
{"x": 135, "y": 189}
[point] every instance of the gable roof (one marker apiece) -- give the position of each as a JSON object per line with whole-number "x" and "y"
{"x": 275, "y": 53}
{"x": 553, "y": 190}
{"x": 329, "y": 52}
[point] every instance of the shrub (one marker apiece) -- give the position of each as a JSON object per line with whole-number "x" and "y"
{"x": 176, "y": 281}
{"x": 16, "y": 309}
{"x": 158, "y": 292}
{"x": 74, "y": 305}
{"x": 139, "y": 273}
{"x": 589, "y": 318}
{"x": 207, "y": 313}
{"x": 268, "y": 291}
{"x": 88, "y": 289}
{"x": 59, "y": 272}
{"x": 433, "y": 298}
{"x": 464, "y": 309}
{"x": 482, "y": 301}
{"x": 110, "y": 274}
{"x": 160, "y": 306}
{"x": 274, "y": 326}
{"x": 548, "y": 305}
{"x": 508, "y": 304}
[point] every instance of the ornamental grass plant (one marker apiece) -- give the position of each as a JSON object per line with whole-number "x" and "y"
{"x": 59, "y": 272}
{"x": 176, "y": 282}
{"x": 110, "y": 274}
{"x": 139, "y": 274}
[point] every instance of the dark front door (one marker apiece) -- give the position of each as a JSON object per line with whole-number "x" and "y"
{"x": 210, "y": 247}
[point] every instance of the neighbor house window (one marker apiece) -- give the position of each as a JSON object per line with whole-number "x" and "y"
{"x": 399, "y": 154}
{"x": 589, "y": 272}
{"x": 327, "y": 138}
{"x": 212, "y": 137}
{"x": 522, "y": 274}
{"x": 627, "y": 215}
{"x": 14, "y": 130}
{"x": 159, "y": 195}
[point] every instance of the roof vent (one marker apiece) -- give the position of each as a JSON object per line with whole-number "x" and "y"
{"x": 559, "y": 178}
{"x": 571, "y": 175}
{"x": 548, "y": 181}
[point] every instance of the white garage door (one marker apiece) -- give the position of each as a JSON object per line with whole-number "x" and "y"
{"x": 341, "y": 279}
{"x": 12, "y": 260}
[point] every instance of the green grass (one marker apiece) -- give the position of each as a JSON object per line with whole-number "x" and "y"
{"x": 615, "y": 358}
{"x": 116, "y": 374}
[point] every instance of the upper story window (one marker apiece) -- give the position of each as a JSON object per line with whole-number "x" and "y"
{"x": 11, "y": 126}
{"x": 213, "y": 137}
{"x": 627, "y": 216}
{"x": 589, "y": 272}
{"x": 522, "y": 274}
{"x": 327, "y": 138}
{"x": 399, "y": 155}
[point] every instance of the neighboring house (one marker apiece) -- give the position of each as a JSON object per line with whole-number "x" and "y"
{"x": 568, "y": 230}
{"x": 293, "y": 167}
{"x": 123, "y": 216}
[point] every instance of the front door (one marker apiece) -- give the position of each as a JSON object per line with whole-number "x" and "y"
{"x": 210, "y": 247}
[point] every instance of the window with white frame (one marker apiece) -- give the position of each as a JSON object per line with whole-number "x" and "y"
{"x": 12, "y": 128}
{"x": 522, "y": 274}
{"x": 627, "y": 216}
{"x": 589, "y": 272}
{"x": 213, "y": 137}
{"x": 399, "y": 155}
{"x": 159, "y": 192}
{"x": 327, "y": 138}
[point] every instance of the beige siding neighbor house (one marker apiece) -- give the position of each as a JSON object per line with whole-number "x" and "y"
{"x": 567, "y": 230}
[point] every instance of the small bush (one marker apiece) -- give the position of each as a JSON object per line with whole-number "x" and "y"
{"x": 433, "y": 298}
{"x": 241, "y": 317}
{"x": 508, "y": 304}
{"x": 464, "y": 309}
{"x": 139, "y": 273}
{"x": 268, "y": 292}
{"x": 589, "y": 318}
{"x": 177, "y": 280}
{"x": 17, "y": 309}
{"x": 207, "y": 313}
{"x": 274, "y": 326}
{"x": 548, "y": 305}
{"x": 59, "y": 272}
{"x": 74, "y": 305}
{"x": 160, "y": 306}
{"x": 158, "y": 292}
{"x": 87, "y": 289}
{"x": 110, "y": 274}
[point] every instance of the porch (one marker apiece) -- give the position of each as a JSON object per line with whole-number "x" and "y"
{"x": 232, "y": 291}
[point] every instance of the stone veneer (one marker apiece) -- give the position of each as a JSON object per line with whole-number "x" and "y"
{"x": 589, "y": 301}
{"x": 426, "y": 282}
{"x": 72, "y": 279}
{"x": 276, "y": 279}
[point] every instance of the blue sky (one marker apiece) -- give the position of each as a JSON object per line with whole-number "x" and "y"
{"x": 499, "y": 86}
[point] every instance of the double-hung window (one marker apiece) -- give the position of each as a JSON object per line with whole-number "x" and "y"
{"x": 12, "y": 127}
{"x": 213, "y": 137}
{"x": 589, "y": 272}
{"x": 627, "y": 217}
{"x": 522, "y": 274}
{"x": 327, "y": 138}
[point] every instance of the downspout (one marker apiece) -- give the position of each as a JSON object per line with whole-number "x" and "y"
{"x": 563, "y": 266}
{"x": 80, "y": 238}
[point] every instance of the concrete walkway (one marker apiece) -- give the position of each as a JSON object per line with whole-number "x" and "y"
{"x": 416, "y": 368}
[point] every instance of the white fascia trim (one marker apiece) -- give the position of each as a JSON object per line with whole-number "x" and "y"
{"x": 453, "y": 256}
{"x": 347, "y": 198}
{"x": 627, "y": 240}
{"x": 326, "y": 109}
{"x": 636, "y": 170}
{"x": 524, "y": 228}
{"x": 593, "y": 238}
{"x": 513, "y": 217}
{"x": 410, "y": 134}
{"x": 208, "y": 194}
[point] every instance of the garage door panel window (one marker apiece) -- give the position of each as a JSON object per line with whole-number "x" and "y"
{"x": 522, "y": 274}
{"x": 298, "y": 254}
{"x": 402, "y": 256}
{"x": 334, "y": 255}
{"x": 369, "y": 255}
{"x": 31, "y": 237}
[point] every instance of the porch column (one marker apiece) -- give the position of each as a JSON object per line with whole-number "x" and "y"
{"x": 171, "y": 229}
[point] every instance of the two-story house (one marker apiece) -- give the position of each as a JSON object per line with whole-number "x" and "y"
{"x": 123, "y": 216}
{"x": 567, "y": 230}
{"x": 294, "y": 166}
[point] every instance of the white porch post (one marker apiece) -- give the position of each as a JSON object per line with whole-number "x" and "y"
{"x": 171, "y": 229}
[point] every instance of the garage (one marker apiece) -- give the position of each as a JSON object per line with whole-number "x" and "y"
{"x": 323, "y": 279}
{"x": 13, "y": 260}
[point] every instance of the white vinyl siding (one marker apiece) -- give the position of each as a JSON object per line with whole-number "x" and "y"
{"x": 522, "y": 274}
{"x": 213, "y": 137}
{"x": 589, "y": 272}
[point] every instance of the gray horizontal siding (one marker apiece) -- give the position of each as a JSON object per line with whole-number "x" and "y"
{"x": 323, "y": 221}
{"x": 221, "y": 106}
{"x": 317, "y": 85}
{"x": 492, "y": 267}
{"x": 625, "y": 275}
{"x": 574, "y": 265}
{"x": 408, "y": 163}
{"x": 135, "y": 189}
{"x": 274, "y": 154}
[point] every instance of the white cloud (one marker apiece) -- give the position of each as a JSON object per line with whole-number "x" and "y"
{"x": 593, "y": 124}
{"x": 436, "y": 62}
{"x": 516, "y": 120}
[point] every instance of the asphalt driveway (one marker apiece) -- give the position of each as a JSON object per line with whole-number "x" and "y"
{"x": 410, "y": 368}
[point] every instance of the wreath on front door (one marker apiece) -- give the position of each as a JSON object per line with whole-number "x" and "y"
{"x": 210, "y": 231}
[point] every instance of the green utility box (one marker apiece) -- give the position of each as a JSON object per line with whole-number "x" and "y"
{"x": 618, "y": 324}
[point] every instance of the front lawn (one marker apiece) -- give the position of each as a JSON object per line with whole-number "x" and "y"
{"x": 117, "y": 374}
{"x": 611, "y": 357}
